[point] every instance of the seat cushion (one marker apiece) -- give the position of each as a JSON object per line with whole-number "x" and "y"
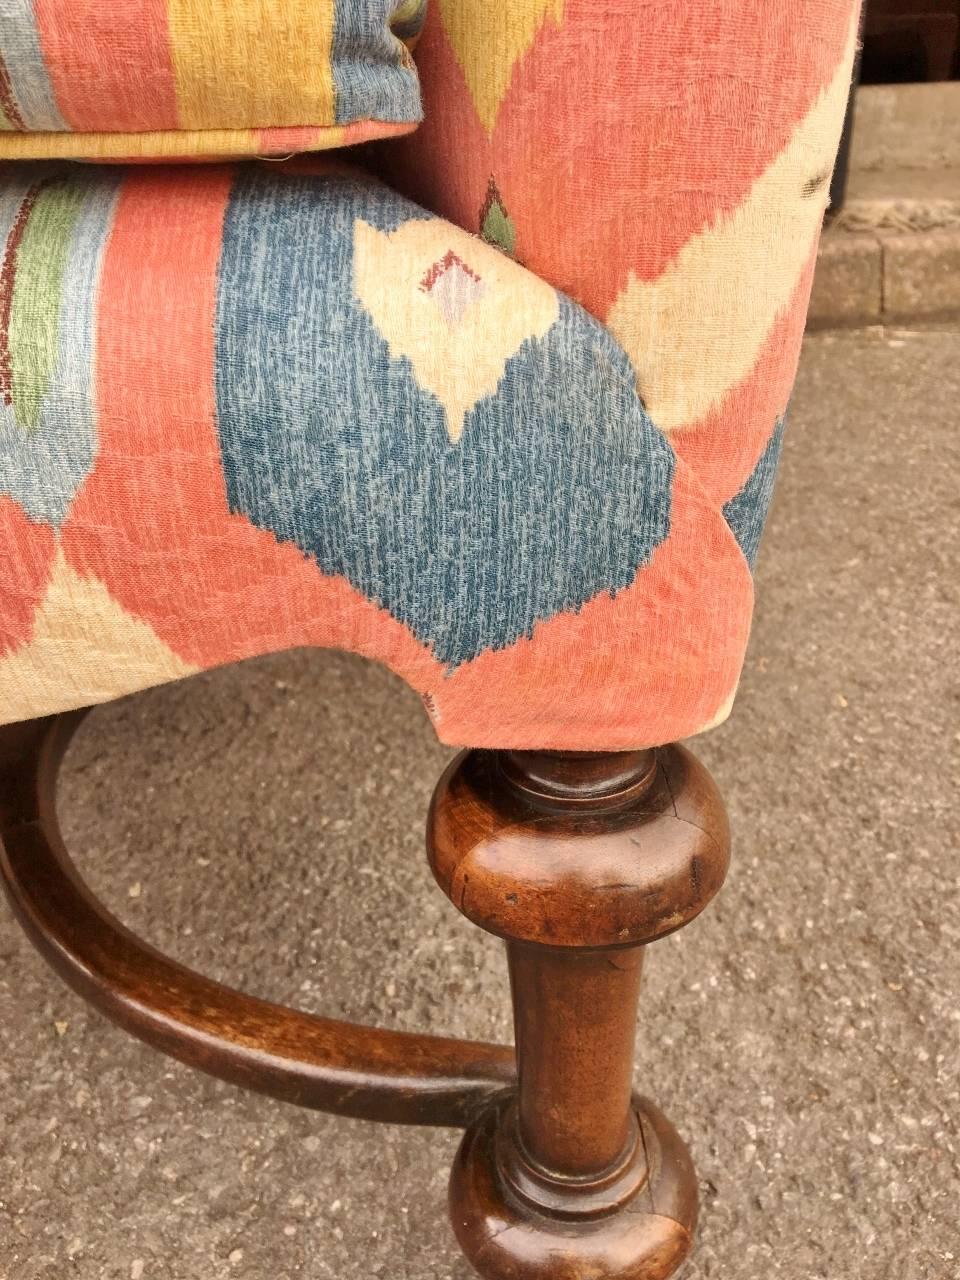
{"x": 252, "y": 407}
{"x": 188, "y": 78}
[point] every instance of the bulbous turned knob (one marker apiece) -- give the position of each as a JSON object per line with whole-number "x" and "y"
{"x": 575, "y": 850}
{"x": 579, "y": 1232}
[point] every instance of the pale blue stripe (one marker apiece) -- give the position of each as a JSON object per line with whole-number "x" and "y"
{"x": 43, "y": 468}
{"x": 373, "y": 74}
{"x": 26, "y": 69}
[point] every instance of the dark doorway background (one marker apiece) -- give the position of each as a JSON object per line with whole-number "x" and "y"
{"x": 911, "y": 41}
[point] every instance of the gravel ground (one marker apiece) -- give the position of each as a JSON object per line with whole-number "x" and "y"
{"x": 264, "y": 823}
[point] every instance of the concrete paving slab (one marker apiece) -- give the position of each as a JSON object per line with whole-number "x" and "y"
{"x": 922, "y": 275}
{"x": 264, "y": 823}
{"x": 914, "y": 126}
{"x": 848, "y": 284}
{"x": 892, "y": 252}
{"x": 885, "y": 276}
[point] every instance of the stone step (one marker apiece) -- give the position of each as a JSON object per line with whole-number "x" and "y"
{"x": 892, "y": 254}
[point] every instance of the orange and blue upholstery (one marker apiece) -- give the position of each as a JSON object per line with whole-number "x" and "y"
{"x": 125, "y": 79}
{"x": 498, "y": 403}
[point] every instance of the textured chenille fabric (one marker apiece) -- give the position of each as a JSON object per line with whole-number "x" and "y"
{"x": 130, "y": 79}
{"x": 246, "y": 408}
{"x": 253, "y": 407}
{"x": 665, "y": 164}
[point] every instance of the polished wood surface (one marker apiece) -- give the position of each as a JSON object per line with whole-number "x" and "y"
{"x": 577, "y": 861}
{"x": 585, "y": 1004}
{"x": 645, "y": 1236}
{"x": 358, "y": 1071}
{"x": 599, "y": 867}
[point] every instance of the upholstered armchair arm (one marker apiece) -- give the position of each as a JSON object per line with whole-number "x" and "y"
{"x": 668, "y": 166}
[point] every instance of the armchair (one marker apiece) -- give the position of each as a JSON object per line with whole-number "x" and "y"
{"x": 496, "y": 401}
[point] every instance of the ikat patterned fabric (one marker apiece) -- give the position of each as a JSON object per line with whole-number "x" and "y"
{"x": 665, "y": 164}
{"x": 199, "y": 78}
{"x": 246, "y": 408}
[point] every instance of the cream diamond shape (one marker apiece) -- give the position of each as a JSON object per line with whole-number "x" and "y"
{"x": 456, "y": 314}
{"x": 453, "y": 287}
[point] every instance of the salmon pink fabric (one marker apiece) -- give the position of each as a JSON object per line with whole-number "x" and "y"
{"x": 512, "y": 433}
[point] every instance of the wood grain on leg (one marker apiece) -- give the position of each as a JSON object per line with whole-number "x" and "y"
{"x": 578, "y": 861}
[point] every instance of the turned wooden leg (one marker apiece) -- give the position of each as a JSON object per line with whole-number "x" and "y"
{"x": 578, "y": 861}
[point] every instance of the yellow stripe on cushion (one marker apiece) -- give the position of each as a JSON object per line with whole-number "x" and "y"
{"x": 253, "y": 62}
{"x": 196, "y": 144}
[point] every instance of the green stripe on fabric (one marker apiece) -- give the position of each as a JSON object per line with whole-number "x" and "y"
{"x": 37, "y": 296}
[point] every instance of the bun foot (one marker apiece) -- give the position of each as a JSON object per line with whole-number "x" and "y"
{"x": 514, "y": 1222}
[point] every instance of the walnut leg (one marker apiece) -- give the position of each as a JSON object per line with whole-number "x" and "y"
{"x": 577, "y": 861}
